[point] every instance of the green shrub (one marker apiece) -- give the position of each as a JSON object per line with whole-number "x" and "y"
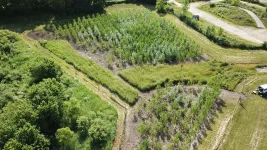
{"x": 235, "y": 2}
{"x": 45, "y": 69}
{"x": 161, "y": 6}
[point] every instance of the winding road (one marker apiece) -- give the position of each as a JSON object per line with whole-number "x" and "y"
{"x": 247, "y": 33}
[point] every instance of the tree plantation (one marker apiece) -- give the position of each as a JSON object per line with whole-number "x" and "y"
{"x": 175, "y": 115}
{"x": 133, "y": 36}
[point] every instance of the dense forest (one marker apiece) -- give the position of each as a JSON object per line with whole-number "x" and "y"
{"x": 62, "y": 6}
{"x": 33, "y": 6}
{"x": 41, "y": 107}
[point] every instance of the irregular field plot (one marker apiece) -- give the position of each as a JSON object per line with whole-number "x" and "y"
{"x": 147, "y": 77}
{"x": 133, "y": 34}
{"x": 173, "y": 116}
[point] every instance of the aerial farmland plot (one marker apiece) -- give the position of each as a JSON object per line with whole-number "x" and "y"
{"x": 133, "y": 75}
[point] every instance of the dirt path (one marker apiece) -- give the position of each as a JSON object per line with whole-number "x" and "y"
{"x": 256, "y": 18}
{"x": 98, "y": 89}
{"x": 247, "y": 33}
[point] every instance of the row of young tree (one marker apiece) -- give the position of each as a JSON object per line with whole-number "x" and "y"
{"x": 173, "y": 116}
{"x": 39, "y": 109}
{"x": 134, "y": 36}
{"x": 33, "y": 6}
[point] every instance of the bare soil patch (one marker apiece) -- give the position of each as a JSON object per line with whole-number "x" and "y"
{"x": 131, "y": 136}
{"x": 231, "y": 97}
{"x": 41, "y": 35}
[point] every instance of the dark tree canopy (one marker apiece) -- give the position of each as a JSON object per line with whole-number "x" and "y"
{"x": 144, "y": 1}
{"x": 13, "y": 116}
{"x": 47, "y": 97}
{"x": 28, "y": 137}
{"x": 45, "y": 69}
{"x": 32, "y": 6}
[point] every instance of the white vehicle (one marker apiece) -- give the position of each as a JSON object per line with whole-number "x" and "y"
{"x": 262, "y": 89}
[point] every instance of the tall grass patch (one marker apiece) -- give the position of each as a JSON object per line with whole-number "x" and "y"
{"x": 148, "y": 77}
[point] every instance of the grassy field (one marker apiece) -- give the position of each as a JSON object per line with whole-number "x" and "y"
{"x": 101, "y": 75}
{"x": 148, "y": 77}
{"x": 248, "y": 127}
{"x": 230, "y": 13}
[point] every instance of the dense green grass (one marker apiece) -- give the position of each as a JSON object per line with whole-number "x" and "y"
{"x": 15, "y": 80}
{"x": 101, "y": 75}
{"x": 147, "y": 77}
{"x": 134, "y": 36}
{"x": 230, "y": 13}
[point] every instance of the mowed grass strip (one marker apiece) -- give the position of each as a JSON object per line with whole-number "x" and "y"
{"x": 248, "y": 126}
{"x": 95, "y": 72}
{"x": 148, "y": 77}
{"x": 230, "y": 13}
